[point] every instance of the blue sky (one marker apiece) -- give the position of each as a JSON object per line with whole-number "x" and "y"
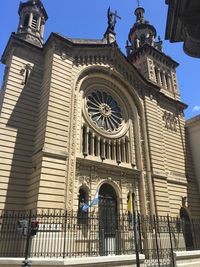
{"x": 88, "y": 19}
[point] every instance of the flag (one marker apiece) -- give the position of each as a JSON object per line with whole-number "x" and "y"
{"x": 94, "y": 202}
{"x": 85, "y": 207}
{"x": 130, "y": 203}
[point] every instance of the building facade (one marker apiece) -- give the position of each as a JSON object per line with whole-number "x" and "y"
{"x": 78, "y": 115}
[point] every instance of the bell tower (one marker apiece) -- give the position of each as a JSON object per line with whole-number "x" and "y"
{"x": 146, "y": 54}
{"x": 32, "y": 18}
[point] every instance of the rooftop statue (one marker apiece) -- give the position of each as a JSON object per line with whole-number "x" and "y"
{"x": 112, "y": 19}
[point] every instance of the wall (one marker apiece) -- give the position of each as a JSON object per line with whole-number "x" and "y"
{"x": 18, "y": 119}
{"x": 187, "y": 259}
{"x": 193, "y": 128}
{"x": 111, "y": 261}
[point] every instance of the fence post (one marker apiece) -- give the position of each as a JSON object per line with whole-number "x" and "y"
{"x": 135, "y": 229}
{"x": 26, "y": 253}
{"x": 140, "y": 235}
{"x": 156, "y": 233}
{"x": 171, "y": 244}
{"x": 65, "y": 233}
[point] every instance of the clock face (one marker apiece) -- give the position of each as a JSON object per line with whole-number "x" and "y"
{"x": 104, "y": 111}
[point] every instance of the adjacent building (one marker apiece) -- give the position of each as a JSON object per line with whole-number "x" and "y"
{"x": 193, "y": 129}
{"x": 183, "y": 25}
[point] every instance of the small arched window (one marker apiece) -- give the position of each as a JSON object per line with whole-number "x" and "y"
{"x": 26, "y": 20}
{"x": 83, "y": 199}
{"x": 34, "y": 22}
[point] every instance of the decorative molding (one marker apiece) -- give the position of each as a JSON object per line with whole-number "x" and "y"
{"x": 25, "y": 73}
{"x": 170, "y": 121}
{"x": 72, "y": 162}
{"x": 108, "y": 169}
{"x": 62, "y": 154}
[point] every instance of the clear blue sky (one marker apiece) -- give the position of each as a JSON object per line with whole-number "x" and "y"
{"x": 88, "y": 19}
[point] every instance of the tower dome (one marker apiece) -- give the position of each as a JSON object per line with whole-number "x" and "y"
{"x": 32, "y": 16}
{"x": 142, "y": 32}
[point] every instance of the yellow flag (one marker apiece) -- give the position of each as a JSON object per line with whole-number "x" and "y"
{"x": 130, "y": 203}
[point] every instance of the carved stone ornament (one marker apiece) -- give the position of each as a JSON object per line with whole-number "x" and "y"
{"x": 25, "y": 73}
{"x": 170, "y": 121}
{"x": 63, "y": 55}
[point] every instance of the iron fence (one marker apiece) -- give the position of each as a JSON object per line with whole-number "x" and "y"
{"x": 57, "y": 233}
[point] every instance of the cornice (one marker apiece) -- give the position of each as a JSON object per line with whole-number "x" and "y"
{"x": 15, "y": 41}
{"x": 146, "y": 48}
{"x": 106, "y": 168}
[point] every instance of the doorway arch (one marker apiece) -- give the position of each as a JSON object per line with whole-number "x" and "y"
{"x": 187, "y": 229}
{"x": 108, "y": 220}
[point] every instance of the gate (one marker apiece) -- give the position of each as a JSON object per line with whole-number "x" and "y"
{"x": 108, "y": 221}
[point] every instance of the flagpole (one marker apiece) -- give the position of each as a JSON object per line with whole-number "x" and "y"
{"x": 135, "y": 229}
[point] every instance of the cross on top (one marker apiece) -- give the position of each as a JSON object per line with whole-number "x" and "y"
{"x": 115, "y": 15}
{"x": 112, "y": 19}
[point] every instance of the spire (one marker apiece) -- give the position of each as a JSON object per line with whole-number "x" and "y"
{"x": 32, "y": 18}
{"x": 142, "y": 33}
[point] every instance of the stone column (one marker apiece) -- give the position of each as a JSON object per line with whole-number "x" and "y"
{"x": 85, "y": 149}
{"x": 114, "y": 150}
{"x": 109, "y": 149}
{"x": 127, "y": 150}
{"x": 30, "y": 21}
{"x": 103, "y": 149}
{"x": 163, "y": 80}
{"x": 42, "y": 29}
{"x": 98, "y": 146}
{"x": 123, "y": 159}
{"x": 159, "y": 77}
{"x": 92, "y": 144}
{"x": 118, "y": 151}
{"x": 169, "y": 81}
{"x": 38, "y": 24}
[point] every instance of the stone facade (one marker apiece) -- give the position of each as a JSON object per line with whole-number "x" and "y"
{"x": 52, "y": 143}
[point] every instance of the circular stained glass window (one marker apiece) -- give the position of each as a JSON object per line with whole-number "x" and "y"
{"x": 104, "y": 111}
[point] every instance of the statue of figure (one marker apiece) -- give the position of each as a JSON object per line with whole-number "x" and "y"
{"x": 159, "y": 44}
{"x": 112, "y": 19}
{"x": 137, "y": 43}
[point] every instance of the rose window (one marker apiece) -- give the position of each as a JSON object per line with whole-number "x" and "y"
{"x": 104, "y": 111}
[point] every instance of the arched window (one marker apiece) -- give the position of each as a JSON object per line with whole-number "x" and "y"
{"x": 26, "y": 20}
{"x": 83, "y": 199}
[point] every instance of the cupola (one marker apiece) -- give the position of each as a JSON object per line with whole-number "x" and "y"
{"x": 142, "y": 32}
{"x": 32, "y": 18}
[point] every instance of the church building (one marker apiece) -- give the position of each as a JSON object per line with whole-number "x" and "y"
{"x": 78, "y": 116}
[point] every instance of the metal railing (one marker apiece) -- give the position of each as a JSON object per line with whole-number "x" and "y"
{"x": 58, "y": 233}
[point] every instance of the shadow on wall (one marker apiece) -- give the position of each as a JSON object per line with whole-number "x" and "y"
{"x": 23, "y": 119}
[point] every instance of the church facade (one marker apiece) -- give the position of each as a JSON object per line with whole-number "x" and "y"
{"x": 79, "y": 115}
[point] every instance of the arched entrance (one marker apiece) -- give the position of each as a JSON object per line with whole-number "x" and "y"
{"x": 108, "y": 220}
{"x": 187, "y": 229}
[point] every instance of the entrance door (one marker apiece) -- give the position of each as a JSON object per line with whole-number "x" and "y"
{"x": 187, "y": 229}
{"x": 107, "y": 220}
